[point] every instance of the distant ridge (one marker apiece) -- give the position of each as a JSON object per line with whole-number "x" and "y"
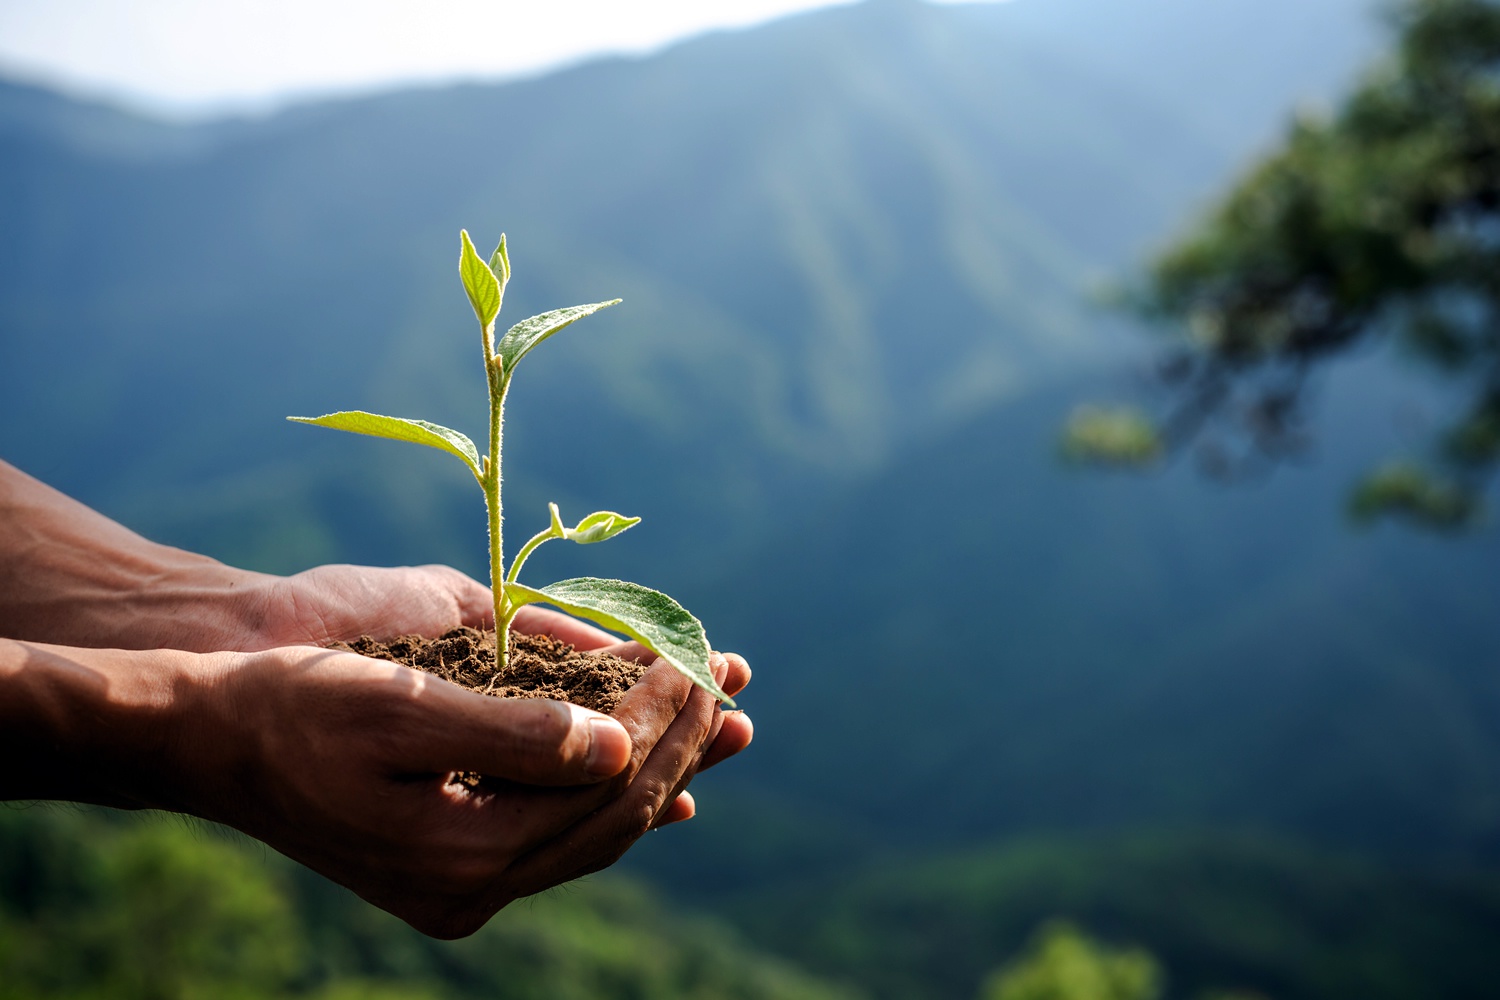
{"x": 856, "y": 250}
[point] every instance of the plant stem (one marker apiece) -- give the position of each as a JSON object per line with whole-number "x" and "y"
{"x": 503, "y": 611}
{"x": 545, "y": 535}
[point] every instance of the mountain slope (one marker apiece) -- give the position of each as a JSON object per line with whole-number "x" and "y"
{"x": 1221, "y": 913}
{"x": 835, "y": 235}
{"x": 987, "y": 642}
{"x": 855, "y": 249}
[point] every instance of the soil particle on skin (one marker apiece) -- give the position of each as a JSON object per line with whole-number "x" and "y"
{"x": 540, "y": 666}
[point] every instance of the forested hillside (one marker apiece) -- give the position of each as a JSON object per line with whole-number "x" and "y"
{"x": 860, "y": 252}
{"x": 835, "y": 236}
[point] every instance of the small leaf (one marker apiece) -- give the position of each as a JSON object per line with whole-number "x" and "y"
{"x": 480, "y": 282}
{"x": 648, "y": 616}
{"x": 525, "y": 335}
{"x": 500, "y": 264}
{"x": 599, "y": 526}
{"x": 401, "y": 429}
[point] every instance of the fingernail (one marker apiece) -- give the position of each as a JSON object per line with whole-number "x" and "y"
{"x": 609, "y": 747}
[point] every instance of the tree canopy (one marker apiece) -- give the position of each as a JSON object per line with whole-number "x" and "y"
{"x": 1379, "y": 222}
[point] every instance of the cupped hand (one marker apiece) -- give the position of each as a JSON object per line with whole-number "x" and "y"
{"x": 343, "y": 602}
{"x": 734, "y": 730}
{"x": 346, "y": 765}
{"x": 329, "y": 603}
{"x": 334, "y": 602}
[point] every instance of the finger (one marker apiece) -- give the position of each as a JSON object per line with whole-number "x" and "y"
{"x": 696, "y": 764}
{"x": 664, "y": 776}
{"x": 735, "y": 734}
{"x": 533, "y": 620}
{"x": 533, "y": 741}
{"x": 671, "y": 762}
{"x": 683, "y": 807}
{"x": 649, "y": 708}
{"x": 600, "y": 839}
{"x": 631, "y": 651}
{"x": 738, "y": 675}
{"x": 646, "y": 712}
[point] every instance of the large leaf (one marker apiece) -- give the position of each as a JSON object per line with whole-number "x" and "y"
{"x": 401, "y": 429}
{"x": 480, "y": 282}
{"x": 648, "y": 616}
{"x": 526, "y": 334}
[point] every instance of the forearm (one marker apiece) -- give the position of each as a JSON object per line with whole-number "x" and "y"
{"x": 71, "y": 575}
{"x": 105, "y": 726}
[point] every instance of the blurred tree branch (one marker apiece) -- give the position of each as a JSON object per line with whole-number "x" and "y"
{"x": 1380, "y": 223}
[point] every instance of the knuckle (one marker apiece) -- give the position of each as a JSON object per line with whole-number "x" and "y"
{"x": 641, "y": 820}
{"x": 703, "y": 724}
{"x": 641, "y": 814}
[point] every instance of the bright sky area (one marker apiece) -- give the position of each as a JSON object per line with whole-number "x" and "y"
{"x": 187, "y": 58}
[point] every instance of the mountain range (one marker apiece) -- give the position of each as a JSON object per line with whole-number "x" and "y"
{"x": 860, "y": 252}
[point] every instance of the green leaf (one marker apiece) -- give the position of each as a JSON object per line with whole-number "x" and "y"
{"x": 500, "y": 264}
{"x": 480, "y": 282}
{"x": 525, "y": 335}
{"x": 648, "y": 616}
{"x": 400, "y": 429}
{"x": 599, "y": 526}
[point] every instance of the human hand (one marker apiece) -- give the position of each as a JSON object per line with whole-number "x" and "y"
{"x": 73, "y": 577}
{"x": 734, "y": 729}
{"x": 345, "y": 764}
{"x": 344, "y": 602}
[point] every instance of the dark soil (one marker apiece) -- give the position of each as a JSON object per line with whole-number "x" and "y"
{"x": 540, "y": 666}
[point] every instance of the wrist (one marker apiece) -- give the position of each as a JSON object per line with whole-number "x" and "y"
{"x": 185, "y": 602}
{"x": 72, "y": 576}
{"x": 103, "y": 726}
{"x": 165, "y": 599}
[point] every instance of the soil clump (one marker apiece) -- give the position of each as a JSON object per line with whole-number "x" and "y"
{"x": 540, "y": 666}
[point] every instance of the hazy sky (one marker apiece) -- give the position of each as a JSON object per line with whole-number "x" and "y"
{"x": 196, "y": 56}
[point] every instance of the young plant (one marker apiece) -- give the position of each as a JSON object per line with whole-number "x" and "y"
{"x": 652, "y": 618}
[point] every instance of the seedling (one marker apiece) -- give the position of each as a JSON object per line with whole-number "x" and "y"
{"x": 648, "y": 616}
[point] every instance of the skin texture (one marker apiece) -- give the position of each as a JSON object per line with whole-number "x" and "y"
{"x": 140, "y": 676}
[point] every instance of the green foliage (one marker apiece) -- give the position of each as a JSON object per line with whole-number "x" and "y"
{"x": 653, "y": 619}
{"x": 1065, "y": 964}
{"x": 1379, "y": 221}
{"x": 521, "y": 338}
{"x": 482, "y": 283}
{"x": 400, "y": 429}
{"x": 1218, "y": 912}
{"x": 102, "y": 906}
{"x": 156, "y": 913}
{"x": 373, "y": 989}
{"x": 1405, "y": 489}
{"x": 648, "y": 616}
{"x": 597, "y": 527}
{"x": 1119, "y": 436}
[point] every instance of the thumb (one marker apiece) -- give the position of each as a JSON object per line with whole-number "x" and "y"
{"x": 533, "y": 741}
{"x": 473, "y": 600}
